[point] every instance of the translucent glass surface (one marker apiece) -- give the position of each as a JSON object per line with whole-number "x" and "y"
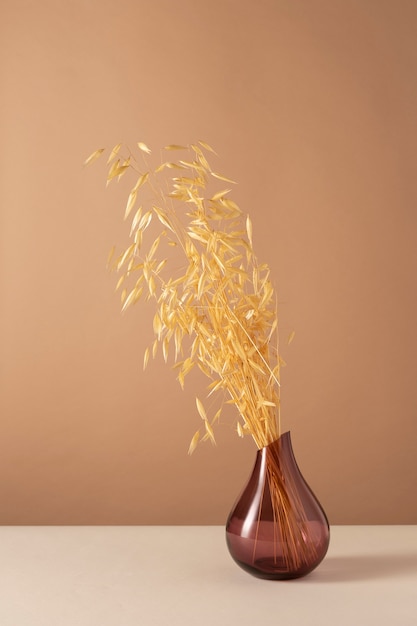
{"x": 277, "y": 529}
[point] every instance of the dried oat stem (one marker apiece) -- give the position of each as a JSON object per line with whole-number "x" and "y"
{"x": 218, "y": 311}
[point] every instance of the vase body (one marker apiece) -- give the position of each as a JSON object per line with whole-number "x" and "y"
{"x": 277, "y": 529}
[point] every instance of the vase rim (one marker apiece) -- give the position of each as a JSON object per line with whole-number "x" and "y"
{"x": 283, "y": 437}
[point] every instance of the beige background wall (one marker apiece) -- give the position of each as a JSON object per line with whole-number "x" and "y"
{"x": 311, "y": 105}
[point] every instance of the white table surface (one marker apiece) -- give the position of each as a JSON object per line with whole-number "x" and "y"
{"x": 181, "y": 575}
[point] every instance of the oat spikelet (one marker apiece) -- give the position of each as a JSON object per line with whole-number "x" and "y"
{"x": 94, "y": 156}
{"x": 201, "y": 409}
{"x": 142, "y": 146}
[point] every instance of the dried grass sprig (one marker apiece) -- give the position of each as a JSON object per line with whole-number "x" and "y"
{"x": 192, "y": 254}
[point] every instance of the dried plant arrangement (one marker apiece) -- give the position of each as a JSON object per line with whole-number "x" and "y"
{"x": 191, "y": 255}
{"x": 215, "y": 306}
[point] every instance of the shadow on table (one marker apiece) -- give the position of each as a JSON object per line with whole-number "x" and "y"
{"x": 359, "y": 567}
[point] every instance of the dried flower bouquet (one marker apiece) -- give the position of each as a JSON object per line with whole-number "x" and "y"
{"x": 191, "y": 253}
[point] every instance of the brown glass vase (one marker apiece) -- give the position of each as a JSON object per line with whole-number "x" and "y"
{"x": 277, "y": 529}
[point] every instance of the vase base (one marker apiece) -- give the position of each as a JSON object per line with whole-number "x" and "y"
{"x": 267, "y": 569}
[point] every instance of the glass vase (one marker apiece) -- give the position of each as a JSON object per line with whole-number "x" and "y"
{"x": 277, "y": 529}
